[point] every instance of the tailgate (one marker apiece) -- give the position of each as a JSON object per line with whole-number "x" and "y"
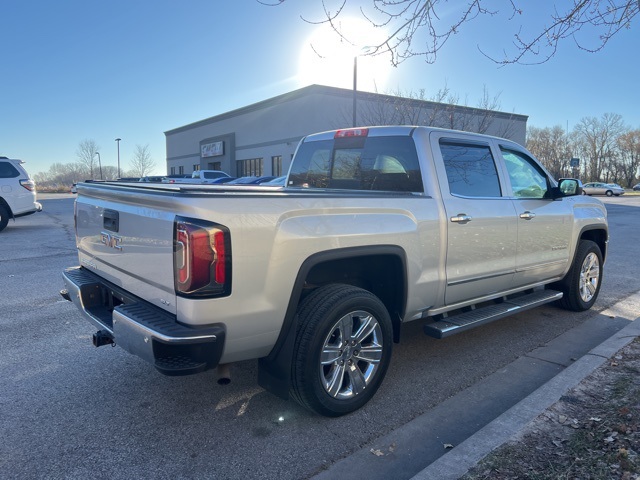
{"x": 125, "y": 235}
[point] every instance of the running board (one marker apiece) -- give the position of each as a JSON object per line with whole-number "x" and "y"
{"x": 464, "y": 321}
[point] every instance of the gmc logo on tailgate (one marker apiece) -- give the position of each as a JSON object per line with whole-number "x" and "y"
{"x": 111, "y": 240}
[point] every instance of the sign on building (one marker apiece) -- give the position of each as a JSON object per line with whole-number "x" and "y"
{"x": 214, "y": 149}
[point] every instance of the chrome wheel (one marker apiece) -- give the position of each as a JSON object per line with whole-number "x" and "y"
{"x": 589, "y": 277}
{"x": 581, "y": 284}
{"x": 342, "y": 350}
{"x": 351, "y": 355}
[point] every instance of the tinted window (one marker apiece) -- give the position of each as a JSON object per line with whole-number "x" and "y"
{"x": 527, "y": 179}
{"x": 471, "y": 171}
{"x": 362, "y": 163}
{"x": 8, "y": 171}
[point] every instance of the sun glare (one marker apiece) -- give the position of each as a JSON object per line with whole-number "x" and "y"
{"x": 327, "y": 59}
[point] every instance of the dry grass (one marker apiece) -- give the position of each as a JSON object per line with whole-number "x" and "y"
{"x": 593, "y": 432}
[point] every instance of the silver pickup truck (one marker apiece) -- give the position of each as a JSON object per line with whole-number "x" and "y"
{"x": 375, "y": 227}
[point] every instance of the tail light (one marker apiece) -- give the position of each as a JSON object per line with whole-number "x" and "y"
{"x": 28, "y": 184}
{"x": 202, "y": 258}
{"x": 351, "y": 132}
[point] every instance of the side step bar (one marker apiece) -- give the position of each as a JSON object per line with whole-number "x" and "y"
{"x": 464, "y": 321}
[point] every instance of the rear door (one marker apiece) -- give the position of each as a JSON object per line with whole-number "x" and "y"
{"x": 481, "y": 221}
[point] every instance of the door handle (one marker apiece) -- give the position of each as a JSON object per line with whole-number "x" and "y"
{"x": 461, "y": 218}
{"x": 527, "y": 215}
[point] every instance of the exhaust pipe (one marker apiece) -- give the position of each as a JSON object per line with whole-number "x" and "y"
{"x": 101, "y": 338}
{"x": 224, "y": 374}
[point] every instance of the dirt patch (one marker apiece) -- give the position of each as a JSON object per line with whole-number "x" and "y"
{"x": 592, "y": 432}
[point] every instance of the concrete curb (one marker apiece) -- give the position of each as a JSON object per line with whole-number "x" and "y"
{"x": 458, "y": 461}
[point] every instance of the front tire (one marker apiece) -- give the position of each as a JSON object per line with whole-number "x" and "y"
{"x": 609, "y": 193}
{"x": 4, "y": 217}
{"x": 342, "y": 349}
{"x": 581, "y": 285}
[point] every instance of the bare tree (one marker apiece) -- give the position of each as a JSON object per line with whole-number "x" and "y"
{"x": 598, "y": 141}
{"x": 62, "y": 174}
{"x": 629, "y": 146}
{"x": 442, "y": 109}
{"x": 142, "y": 163}
{"x": 551, "y": 146}
{"x": 86, "y": 153}
{"x": 423, "y": 27}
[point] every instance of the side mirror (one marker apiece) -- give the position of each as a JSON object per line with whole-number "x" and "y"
{"x": 567, "y": 187}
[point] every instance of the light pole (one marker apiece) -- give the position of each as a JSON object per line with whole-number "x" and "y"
{"x": 99, "y": 164}
{"x": 118, "y": 142}
{"x": 355, "y": 84}
{"x": 363, "y": 51}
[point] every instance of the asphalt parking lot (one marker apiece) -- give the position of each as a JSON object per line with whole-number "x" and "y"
{"x": 69, "y": 410}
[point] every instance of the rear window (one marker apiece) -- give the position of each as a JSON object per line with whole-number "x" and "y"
{"x": 7, "y": 170}
{"x": 360, "y": 163}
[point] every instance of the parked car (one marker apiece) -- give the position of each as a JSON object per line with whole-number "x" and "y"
{"x": 636, "y": 187}
{"x": 152, "y": 179}
{"x": 74, "y": 188}
{"x": 250, "y": 180}
{"x": 377, "y": 227}
{"x": 17, "y": 191}
{"x": 599, "y": 188}
{"x": 222, "y": 180}
{"x": 181, "y": 178}
{"x": 276, "y": 182}
{"x": 207, "y": 176}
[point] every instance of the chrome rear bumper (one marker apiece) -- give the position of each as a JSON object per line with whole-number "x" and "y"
{"x": 141, "y": 328}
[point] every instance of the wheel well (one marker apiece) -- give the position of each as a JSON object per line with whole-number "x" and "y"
{"x": 599, "y": 237}
{"x": 379, "y": 269}
{"x": 381, "y": 274}
{"x": 4, "y": 203}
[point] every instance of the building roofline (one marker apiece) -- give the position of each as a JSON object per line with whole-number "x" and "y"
{"x": 334, "y": 91}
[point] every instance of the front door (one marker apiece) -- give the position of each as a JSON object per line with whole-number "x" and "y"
{"x": 545, "y": 226}
{"x": 481, "y": 223}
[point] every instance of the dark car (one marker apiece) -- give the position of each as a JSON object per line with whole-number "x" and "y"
{"x": 636, "y": 187}
{"x": 222, "y": 180}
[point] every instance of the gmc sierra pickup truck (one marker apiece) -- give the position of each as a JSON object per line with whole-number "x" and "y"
{"x": 375, "y": 227}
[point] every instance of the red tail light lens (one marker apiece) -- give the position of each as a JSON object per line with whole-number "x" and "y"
{"x": 28, "y": 184}
{"x": 202, "y": 258}
{"x": 352, "y": 132}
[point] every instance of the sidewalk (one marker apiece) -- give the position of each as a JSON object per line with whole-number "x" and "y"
{"x": 463, "y": 457}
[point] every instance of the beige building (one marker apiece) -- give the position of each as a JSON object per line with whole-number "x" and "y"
{"x": 260, "y": 139}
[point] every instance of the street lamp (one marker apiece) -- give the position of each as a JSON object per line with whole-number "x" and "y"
{"x": 99, "y": 164}
{"x": 118, "y": 142}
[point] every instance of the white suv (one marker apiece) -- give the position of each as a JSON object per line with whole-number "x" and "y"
{"x": 17, "y": 191}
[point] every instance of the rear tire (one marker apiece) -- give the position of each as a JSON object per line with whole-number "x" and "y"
{"x": 342, "y": 349}
{"x": 4, "y": 217}
{"x": 609, "y": 193}
{"x": 581, "y": 285}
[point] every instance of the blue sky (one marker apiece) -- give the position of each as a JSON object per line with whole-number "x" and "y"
{"x": 88, "y": 69}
